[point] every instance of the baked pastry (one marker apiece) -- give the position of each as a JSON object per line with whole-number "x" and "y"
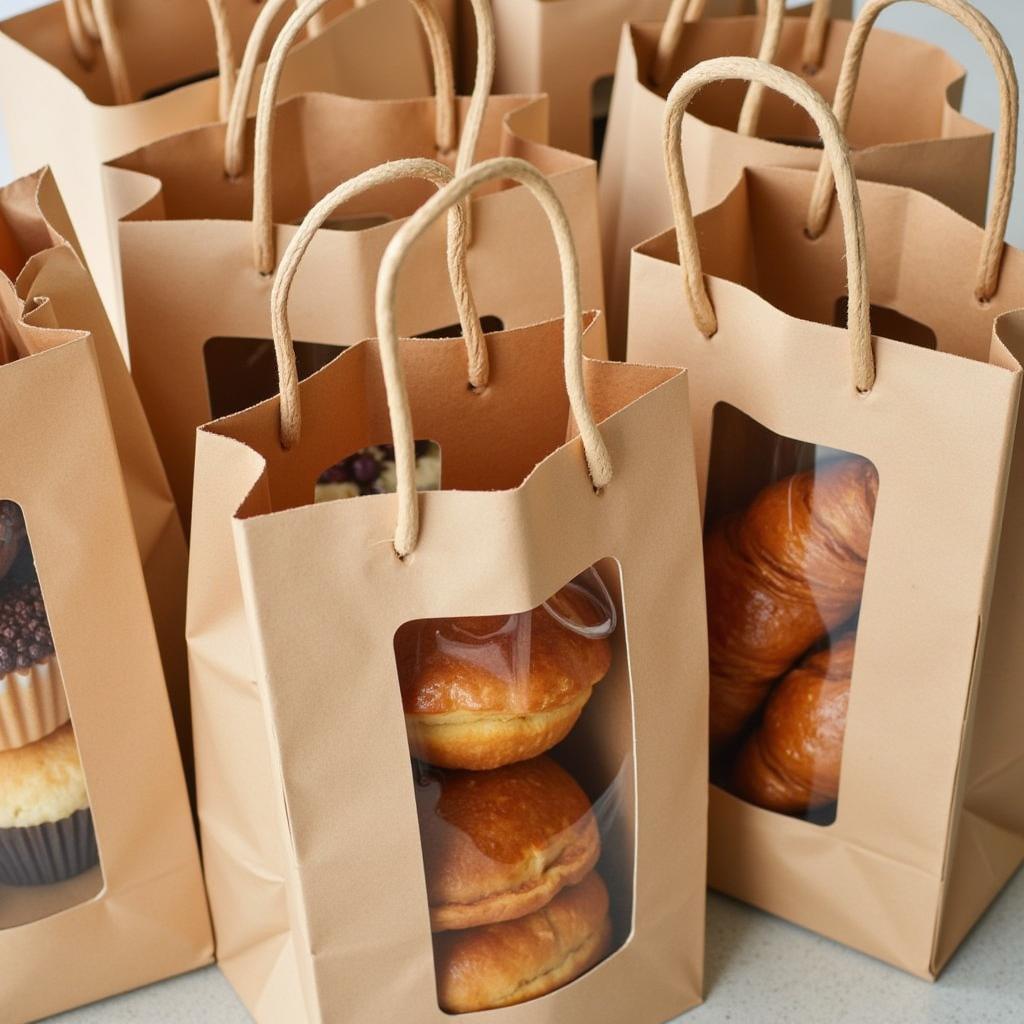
{"x": 779, "y": 577}
{"x": 46, "y": 829}
{"x": 509, "y": 963}
{"x": 32, "y": 698}
{"x": 12, "y": 535}
{"x": 791, "y": 762}
{"x": 500, "y": 844}
{"x": 486, "y": 691}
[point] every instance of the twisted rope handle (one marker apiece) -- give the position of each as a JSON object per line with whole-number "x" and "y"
{"x": 451, "y": 197}
{"x": 815, "y": 36}
{"x": 417, "y": 167}
{"x": 113, "y": 51}
{"x": 984, "y": 31}
{"x": 838, "y": 154}
{"x": 263, "y": 225}
{"x": 81, "y": 41}
{"x": 775, "y": 14}
{"x": 683, "y": 11}
{"x": 92, "y": 21}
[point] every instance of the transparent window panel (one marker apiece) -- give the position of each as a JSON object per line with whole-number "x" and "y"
{"x": 242, "y": 372}
{"x": 48, "y": 853}
{"x": 372, "y": 471}
{"x": 180, "y": 83}
{"x": 787, "y": 534}
{"x": 520, "y": 731}
{"x": 600, "y": 106}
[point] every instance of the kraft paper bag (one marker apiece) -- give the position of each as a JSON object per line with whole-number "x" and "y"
{"x": 188, "y": 238}
{"x": 56, "y": 288}
{"x": 899, "y": 847}
{"x": 100, "y": 883}
{"x": 567, "y": 49}
{"x": 324, "y": 916}
{"x": 902, "y": 121}
{"x": 73, "y": 101}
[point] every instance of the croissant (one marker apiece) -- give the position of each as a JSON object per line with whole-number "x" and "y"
{"x": 779, "y": 577}
{"x": 791, "y": 761}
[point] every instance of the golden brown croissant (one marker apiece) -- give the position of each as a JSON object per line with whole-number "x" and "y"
{"x": 779, "y": 577}
{"x": 791, "y": 762}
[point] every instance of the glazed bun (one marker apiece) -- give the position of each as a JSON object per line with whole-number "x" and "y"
{"x": 504, "y": 964}
{"x": 501, "y": 844}
{"x": 487, "y": 691}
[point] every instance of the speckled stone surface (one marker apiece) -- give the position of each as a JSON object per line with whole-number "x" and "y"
{"x": 759, "y": 971}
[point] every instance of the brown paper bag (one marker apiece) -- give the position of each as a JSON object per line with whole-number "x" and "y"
{"x": 925, "y": 545}
{"x": 100, "y": 885}
{"x": 73, "y": 102}
{"x": 519, "y": 516}
{"x": 921, "y": 141}
{"x": 52, "y": 282}
{"x": 567, "y": 50}
{"x": 190, "y": 274}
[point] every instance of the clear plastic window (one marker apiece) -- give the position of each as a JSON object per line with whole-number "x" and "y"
{"x": 787, "y": 532}
{"x": 180, "y": 83}
{"x": 372, "y": 471}
{"x": 600, "y": 106}
{"x": 242, "y": 372}
{"x": 520, "y": 732}
{"x": 889, "y": 323}
{"x": 48, "y": 853}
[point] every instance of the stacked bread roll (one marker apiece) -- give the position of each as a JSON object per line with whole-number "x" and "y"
{"x": 784, "y": 581}
{"x": 510, "y": 840}
{"x": 46, "y": 829}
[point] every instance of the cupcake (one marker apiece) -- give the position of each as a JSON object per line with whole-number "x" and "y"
{"x": 32, "y": 699}
{"x": 46, "y": 828}
{"x": 12, "y": 535}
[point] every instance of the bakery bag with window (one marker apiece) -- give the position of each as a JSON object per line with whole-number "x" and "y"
{"x": 451, "y": 744}
{"x": 84, "y": 81}
{"x": 100, "y": 884}
{"x": 855, "y": 396}
{"x": 567, "y": 50}
{"x": 896, "y": 97}
{"x": 199, "y": 241}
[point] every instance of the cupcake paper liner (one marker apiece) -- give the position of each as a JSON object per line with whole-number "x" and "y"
{"x": 32, "y": 704}
{"x": 48, "y": 853}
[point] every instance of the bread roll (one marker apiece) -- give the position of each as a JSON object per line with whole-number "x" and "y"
{"x": 486, "y": 691}
{"x": 500, "y": 844}
{"x": 779, "y": 577}
{"x": 791, "y": 762}
{"x": 509, "y": 963}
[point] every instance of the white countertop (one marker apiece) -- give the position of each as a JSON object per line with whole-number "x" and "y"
{"x": 759, "y": 969}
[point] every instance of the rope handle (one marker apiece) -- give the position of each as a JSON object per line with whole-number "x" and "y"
{"x": 446, "y": 128}
{"x": 92, "y": 21}
{"x": 984, "y": 31}
{"x": 683, "y": 11}
{"x": 451, "y": 197}
{"x": 416, "y": 167}
{"x": 836, "y": 151}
